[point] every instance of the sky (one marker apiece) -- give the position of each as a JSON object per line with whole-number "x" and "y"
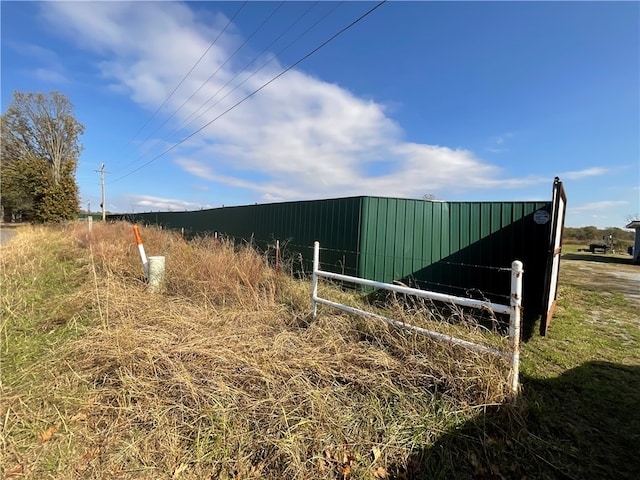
{"x": 204, "y": 104}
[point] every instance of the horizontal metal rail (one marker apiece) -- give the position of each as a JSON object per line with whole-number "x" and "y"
{"x": 513, "y": 310}
{"x": 442, "y": 297}
{"x": 423, "y": 331}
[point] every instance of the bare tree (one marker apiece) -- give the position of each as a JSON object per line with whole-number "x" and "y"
{"x": 40, "y": 151}
{"x": 41, "y": 127}
{"x": 632, "y": 218}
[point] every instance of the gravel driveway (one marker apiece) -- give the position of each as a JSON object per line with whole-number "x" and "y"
{"x": 602, "y": 273}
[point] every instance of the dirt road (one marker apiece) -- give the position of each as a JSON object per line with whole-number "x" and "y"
{"x": 602, "y": 273}
{"x": 6, "y": 233}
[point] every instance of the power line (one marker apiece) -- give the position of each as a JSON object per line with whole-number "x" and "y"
{"x": 216, "y": 72}
{"x": 186, "y": 122}
{"x": 189, "y": 73}
{"x": 290, "y": 67}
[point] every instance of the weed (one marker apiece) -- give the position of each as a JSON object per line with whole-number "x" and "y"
{"x": 223, "y": 374}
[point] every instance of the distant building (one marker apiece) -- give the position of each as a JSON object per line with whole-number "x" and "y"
{"x": 636, "y": 247}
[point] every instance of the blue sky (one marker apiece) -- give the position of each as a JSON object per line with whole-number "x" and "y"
{"x": 463, "y": 101}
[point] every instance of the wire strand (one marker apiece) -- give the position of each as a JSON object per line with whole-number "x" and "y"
{"x": 188, "y": 121}
{"x": 216, "y": 72}
{"x": 188, "y": 73}
{"x": 240, "y": 102}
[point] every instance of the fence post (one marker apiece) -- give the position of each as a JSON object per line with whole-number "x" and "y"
{"x": 515, "y": 320}
{"x": 277, "y": 257}
{"x": 314, "y": 283}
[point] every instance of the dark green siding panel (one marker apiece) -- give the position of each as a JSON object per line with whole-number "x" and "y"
{"x": 409, "y": 226}
{"x": 454, "y": 225}
{"x": 418, "y": 232}
{"x": 365, "y": 269}
{"x": 473, "y": 252}
{"x": 436, "y": 232}
{"x": 399, "y": 233}
{"x": 455, "y": 273}
{"x": 485, "y": 247}
{"x": 389, "y": 235}
{"x": 381, "y": 230}
{"x": 367, "y": 235}
{"x": 465, "y": 229}
{"x": 456, "y": 247}
{"x": 445, "y": 247}
{"x": 335, "y": 223}
{"x": 427, "y": 246}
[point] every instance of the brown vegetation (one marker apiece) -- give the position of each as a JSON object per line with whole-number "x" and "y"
{"x": 221, "y": 374}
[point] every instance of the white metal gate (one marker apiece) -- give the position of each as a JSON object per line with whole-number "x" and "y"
{"x": 558, "y": 211}
{"x": 514, "y": 310}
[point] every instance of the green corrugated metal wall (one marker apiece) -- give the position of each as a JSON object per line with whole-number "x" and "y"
{"x": 442, "y": 246}
{"x": 455, "y": 247}
{"x": 335, "y": 223}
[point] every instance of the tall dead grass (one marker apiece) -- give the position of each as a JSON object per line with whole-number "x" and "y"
{"x": 221, "y": 373}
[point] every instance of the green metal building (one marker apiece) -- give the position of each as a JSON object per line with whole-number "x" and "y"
{"x": 462, "y": 248}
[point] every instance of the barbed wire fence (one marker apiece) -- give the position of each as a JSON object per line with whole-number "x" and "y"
{"x": 460, "y": 278}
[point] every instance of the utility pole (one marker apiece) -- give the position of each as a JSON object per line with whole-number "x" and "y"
{"x": 104, "y": 211}
{"x": 103, "y": 204}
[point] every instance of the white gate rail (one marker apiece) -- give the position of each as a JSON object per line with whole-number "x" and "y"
{"x": 514, "y": 311}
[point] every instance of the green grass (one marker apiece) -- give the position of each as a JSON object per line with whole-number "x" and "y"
{"x": 43, "y": 308}
{"x": 587, "y": 326}
{"x": 582, "y": 382}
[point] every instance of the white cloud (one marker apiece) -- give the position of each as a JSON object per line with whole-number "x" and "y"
{"x": 596, "y": 206}
{"x": 587, "y": 172}
{"x": 150, "y": 202}
{"x": 51, "y": 76}
{"x": 51, "y": 69}
{"x": 299, "y": 137}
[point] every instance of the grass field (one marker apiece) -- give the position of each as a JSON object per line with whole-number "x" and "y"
{"x": 223, "y": 374}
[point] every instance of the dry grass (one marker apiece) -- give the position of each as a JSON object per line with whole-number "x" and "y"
{"x": 218, "y": 375}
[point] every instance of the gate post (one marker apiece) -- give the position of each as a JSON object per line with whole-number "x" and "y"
{"x": 515, "y": 320}
{"x": 314, "y": 284}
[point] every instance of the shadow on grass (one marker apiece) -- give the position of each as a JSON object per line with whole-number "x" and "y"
{"x": 584, "y": 424}
{"x": 594, "y": 257}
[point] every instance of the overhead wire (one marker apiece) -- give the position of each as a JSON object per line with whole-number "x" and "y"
{"x": 188, "y": 122}
{"x": 216, "y": 72}
{"x": 189, "y": 72}
{"x": 254, "y": 92}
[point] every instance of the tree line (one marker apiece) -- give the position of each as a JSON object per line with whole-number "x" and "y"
{"x": 40, "y": 150}
{"x": 590, "y": 234}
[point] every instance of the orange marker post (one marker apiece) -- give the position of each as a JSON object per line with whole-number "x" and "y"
{"x": 143, "y": 256}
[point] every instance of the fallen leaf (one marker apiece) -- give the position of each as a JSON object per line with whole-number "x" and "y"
{"x": 86, "y": 459}
{"x": 327, "y": 456}
{"x": 48, "y": 433}
{"x": 348, "y": 457}
{"x": 14, "y": 471}
{"x": 345, "y": 471}
{"x": 78, "y": 417}
{"x": 379, "y": 472}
